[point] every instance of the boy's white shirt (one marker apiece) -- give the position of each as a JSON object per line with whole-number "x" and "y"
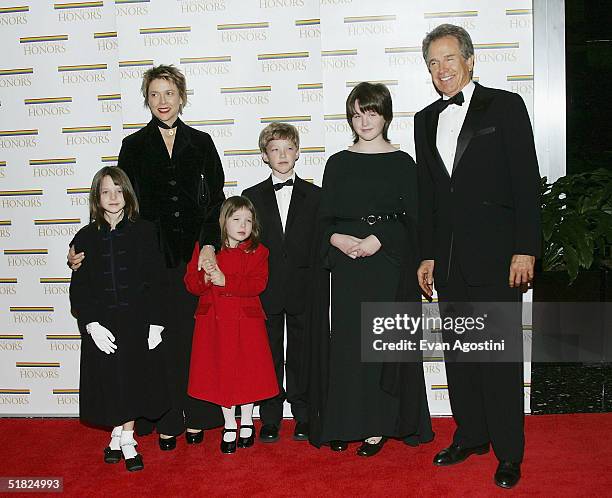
{"x": 283, "y": 198}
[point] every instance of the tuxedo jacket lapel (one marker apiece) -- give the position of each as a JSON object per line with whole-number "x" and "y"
{"x": 297, "y": 198}
{"x": 432, "y": 130}
{"x": 271, "y": 206}
{"x": 478, "y": 105}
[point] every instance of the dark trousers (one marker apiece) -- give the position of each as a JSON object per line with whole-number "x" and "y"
{"x": 487, "y": 399}
{"x": 271, "y": 410}
{"x": 185, "y": 411}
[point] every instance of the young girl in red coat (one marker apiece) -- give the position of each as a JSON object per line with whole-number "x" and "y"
{"x": 231, "y": 363}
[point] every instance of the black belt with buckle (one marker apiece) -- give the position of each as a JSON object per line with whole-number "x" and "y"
{"x": 372, "y": 219}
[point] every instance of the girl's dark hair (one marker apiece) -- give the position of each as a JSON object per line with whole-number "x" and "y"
{"x": 228, "y": 208}
{"x": 96, "y": 212}
{"x": 372, "y": 97}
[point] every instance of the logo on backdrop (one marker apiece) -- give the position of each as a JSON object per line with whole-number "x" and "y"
{"x": 14, "y": 16}
{"x": 38, "y": 370}
{"x": 310, "y": 93}
{"x": 43, "y": 45}
{"x": 10, "y": 78}
{"x": 5, "y": 229}
{"x": 79, "y": 12}
{"x": 18, "y": 139}
{"x": 110, "y": 102}
{"x": 133, "y": 70}
{"x": 519, "y": 18}
{"x": 309, "y": 28}
{"x": 15, "y": 199}
{"x": 404, "y": 56}
{"x": 246, "y": 95}
{"x": 368, "y": 26}
{"x": 467, "y": 19}
{"x": 66, "y": 396}
{"x": 124, "y": 8}
{"x": 335, "y": 60}
{"x": 78, "y": 196}
{"x": 106, "y": 40}
{"x": 243, "y": 32}
{"x": 23, "y": 258}
{"x": 206, "y": 66}
{"x": 201, "y": 6}
{"x": 57, "y": 227}
{"x": 216, "y": 128}
{"x": 521, "y": 84}
{"x": 14, "y": 396}
{"x": 31, "y": 315}
{"x": 64, "y": 342}
{"x": 287, "y": 61}
{"x": 87, "y": 135}
{"x": 48, "y": 107}
{"x": 8, "y": 287}
{"x": 82, "y": 74}
{"x": 165, "y": 36}
{"x": 243, "y": 158}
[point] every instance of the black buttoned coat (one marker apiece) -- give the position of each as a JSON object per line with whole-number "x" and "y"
{"x": 121, "y": 287}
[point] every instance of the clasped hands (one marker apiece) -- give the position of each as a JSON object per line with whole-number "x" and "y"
{"x": 354, "y": 247}
{"x": 212, "y": 273}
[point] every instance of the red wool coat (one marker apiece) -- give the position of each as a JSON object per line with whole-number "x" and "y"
{"x": 231, "y": 363}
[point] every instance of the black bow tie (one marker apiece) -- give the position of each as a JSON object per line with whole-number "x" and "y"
{"x": 288, "y": 183}
{"x": 161, "y": 124}
{"x": 455, "y": 99}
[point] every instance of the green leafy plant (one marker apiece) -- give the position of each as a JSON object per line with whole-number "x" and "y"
{"x": 577, "y": 222}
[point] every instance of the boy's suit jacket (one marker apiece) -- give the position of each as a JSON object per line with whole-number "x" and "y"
{"x": 290, "y": 252}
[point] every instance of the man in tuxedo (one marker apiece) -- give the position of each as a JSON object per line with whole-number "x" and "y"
{"x": 286, "y": 206}
{"x": 479, "y": 234}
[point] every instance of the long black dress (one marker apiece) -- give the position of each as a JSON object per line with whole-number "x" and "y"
{"x": 356, "y": 400}
{"x": 182, "y": 195}
{"x": 121, "y": 287}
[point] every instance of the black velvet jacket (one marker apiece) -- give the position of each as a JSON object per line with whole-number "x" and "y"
{"x": 182, "y": 195}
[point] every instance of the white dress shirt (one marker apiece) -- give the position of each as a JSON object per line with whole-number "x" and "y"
{"x": 450, "y": 122}
{"x": 283, "y": 198}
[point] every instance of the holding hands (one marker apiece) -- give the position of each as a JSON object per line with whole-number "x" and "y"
{"x": 213, "y": 274}
{"x": 354, "y": 247}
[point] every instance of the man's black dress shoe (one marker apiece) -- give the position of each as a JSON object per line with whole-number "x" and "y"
{"x": 370, "y": 449}
{"x": 337, "y": 445}
{"x": 167, "y": 444}
{"x": 228, "y": 446}
{"x": 194, "y": 437}
{"x": 268, "y": 433}
{"x": 247, "y": 442}
{"x": 134, "y": 464}
{"x": 456, "y": 454}
{"x": 300, "y": 433}
{"x": 507, "y": 474}
{"x": 112, "y": 456}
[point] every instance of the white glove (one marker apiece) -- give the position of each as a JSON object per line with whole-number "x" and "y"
{"x": 155, "y": 337}
{"x": 102, "y": 337}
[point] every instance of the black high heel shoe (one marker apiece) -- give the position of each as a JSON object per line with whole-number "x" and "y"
{"x": 370, "y": 449}
{"x": 337, "y": 445}
{"x": 194, "y": 437}
{"x": 228, "y": 446}
{"x": 112, "y": 456}
{"x": 247, "y": 442}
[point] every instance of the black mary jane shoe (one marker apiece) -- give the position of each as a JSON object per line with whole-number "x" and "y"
{"x": 112, "y": 456}
{"x": 337, "y": 445}
{"x": 370, "y": 449}
{"x": 134, "y": 464}
{"x": 247, "y": 442}
{"x": 194, "y": 437}
{"x": 228, "y": 446}
{"x": 167, "y": 444}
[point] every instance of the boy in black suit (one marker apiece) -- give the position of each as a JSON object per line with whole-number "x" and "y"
{"x": 286, "y": 206}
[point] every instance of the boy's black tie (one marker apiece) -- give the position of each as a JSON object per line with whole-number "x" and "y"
{"x": 288, "y": 183}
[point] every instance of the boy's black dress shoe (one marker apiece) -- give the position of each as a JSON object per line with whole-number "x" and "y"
{"x": 112, "y": 456}
{"x": 194, "y": 437}
{"x": 268, "y": 433}
{"x": 167, "y": 444}
{"x": 456, "y": 454}
{"x": 228, "y": 446}
{"x": 370, "y": 449}
{"x": 507, "y": 474}
{"x": 247, "y": 442}
{"x": 337, "y": 445}
{"x": 300, "y": 433}
{"x": 134, "y": 464}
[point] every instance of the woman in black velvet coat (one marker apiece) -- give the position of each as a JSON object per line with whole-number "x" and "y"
{"x": 178, "y": 179}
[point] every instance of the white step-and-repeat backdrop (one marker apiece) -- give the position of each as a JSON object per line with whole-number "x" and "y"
{"x": 70, "y": 76}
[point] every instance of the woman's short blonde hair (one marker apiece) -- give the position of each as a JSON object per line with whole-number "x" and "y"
{"x": 165, "y": 72}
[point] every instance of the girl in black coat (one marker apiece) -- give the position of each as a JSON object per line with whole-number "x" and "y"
{"x": 117, "y": 300}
